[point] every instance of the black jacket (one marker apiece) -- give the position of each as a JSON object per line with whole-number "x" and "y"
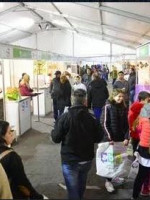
{"x": 55, "y": 88}
{"x": 64, "y": 97}
{"x": 19, "y": 183}
{"x": 97, "y": 93}
{"x": 132, "y": 81}
{"x": 77, "y": 131}
{"x": 114, "y": 122}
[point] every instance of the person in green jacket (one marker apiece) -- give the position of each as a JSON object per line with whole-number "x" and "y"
{"x": 114, "y": 74}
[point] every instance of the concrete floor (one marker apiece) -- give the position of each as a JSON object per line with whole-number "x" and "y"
{"x": 41, "y": 158}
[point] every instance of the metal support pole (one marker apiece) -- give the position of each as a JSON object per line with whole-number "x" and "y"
{"x": 73, "y": 44}
{"x": 3, "y": 90}
{"x": 37, "y": 83}
{"x": 38, "y": 109}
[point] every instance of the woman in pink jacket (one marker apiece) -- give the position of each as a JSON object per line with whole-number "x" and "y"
{"x": 24, "y": 86}
{"x": 143, "y": 153}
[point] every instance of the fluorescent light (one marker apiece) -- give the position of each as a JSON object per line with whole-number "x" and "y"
{"x": 23, "y": 22}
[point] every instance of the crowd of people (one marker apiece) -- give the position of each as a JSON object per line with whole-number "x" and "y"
{"x": 92, "y": 116}
{"x": 115, "y": 118}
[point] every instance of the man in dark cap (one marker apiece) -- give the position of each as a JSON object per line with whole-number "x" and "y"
{"x": 55, "y": 90}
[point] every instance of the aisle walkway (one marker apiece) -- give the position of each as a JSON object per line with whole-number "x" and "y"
{"x": 41, "y": 159}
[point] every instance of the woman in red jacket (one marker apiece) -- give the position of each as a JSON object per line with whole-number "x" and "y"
{"x": 143, "y": 153}
{"x": 133, "y": 114}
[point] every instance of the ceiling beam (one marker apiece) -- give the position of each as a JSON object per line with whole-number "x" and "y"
{"x": 101, "y": 19}
{"x": 125, "y": 14}
{"x": 96, "y": 23}
{"x": 9, "y": 10}
{"x": 119, "y": 12}
{"x": 127, "y": 32}
{"x": 80, "y": 19}
{"x": 36, "y": 14}
{"x": 64, "y": 17}
{"x": 110, "y": 36}
{"x": 109, "y": 40}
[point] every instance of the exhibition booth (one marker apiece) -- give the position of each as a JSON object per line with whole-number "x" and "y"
{"x": 143, "y": 69}
{"x": 39, "y": 66}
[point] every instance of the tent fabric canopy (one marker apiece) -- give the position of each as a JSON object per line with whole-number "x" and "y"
{"x": 125, "y": 24}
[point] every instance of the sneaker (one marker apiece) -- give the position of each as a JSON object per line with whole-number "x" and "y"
{"x": 109, "y": 186}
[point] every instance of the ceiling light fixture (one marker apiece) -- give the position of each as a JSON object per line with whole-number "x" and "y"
{"x": 40, "y": 27}
{"x": 47, "y": 27}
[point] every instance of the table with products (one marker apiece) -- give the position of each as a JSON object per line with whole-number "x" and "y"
{"x": 18, "y": 114}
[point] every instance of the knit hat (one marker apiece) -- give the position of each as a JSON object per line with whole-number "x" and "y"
{"x": 145, "y": 111}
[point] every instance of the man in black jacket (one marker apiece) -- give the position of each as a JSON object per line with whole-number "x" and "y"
{"x": 55, "y": 91}
{"x": 132, "y": 83}
{"x": 97, "y": 95}
{"x": 77, "y": 130}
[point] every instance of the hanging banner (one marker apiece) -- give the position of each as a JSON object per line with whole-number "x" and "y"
{"x": 143, "y": 51}
{"x": 40, "y": 67}
{"x": 21, "y": 53}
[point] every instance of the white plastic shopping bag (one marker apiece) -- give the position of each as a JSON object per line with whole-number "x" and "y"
{"x": 112, "y": 160}
{"x": 134, "y": 170}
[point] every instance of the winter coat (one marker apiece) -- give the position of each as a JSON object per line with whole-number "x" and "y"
{"x": 133, "y": 119}
{"x": 132, "y": 81}
{"x": 114, "y": 74}
{"x": 97, "y": 93}
{"x": 20, "y": 186}
{"x": 114, "y": 122}
{"x": 64, "y": 97}
{"x": 77, "y": 130}
{"x": 25, "y": 90}
{"x": 144, "y": 123}
{"x": 86, "y": 79}
{"x": 55, "y": 88}
{"x": 5, "y": 192}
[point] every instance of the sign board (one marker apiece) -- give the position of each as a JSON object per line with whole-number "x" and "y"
{"x": 143, "y": 51}
{"x": 40, "y": 67}
{"x": 21, "y": 53}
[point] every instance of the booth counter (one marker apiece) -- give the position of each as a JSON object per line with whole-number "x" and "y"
{"x": 18, "y": 114}
{"x": 45, "y": 102}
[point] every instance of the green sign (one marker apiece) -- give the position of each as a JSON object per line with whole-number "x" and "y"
{"x": 144, "y": 51}
{"x": 20, "y": 53}
{"x": 45, "y": 56}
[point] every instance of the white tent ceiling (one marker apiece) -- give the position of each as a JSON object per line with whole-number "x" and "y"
{"x": 126, "y": 24}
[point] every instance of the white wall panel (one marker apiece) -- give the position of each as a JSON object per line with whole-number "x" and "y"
{"x": 61, "y": 42}
{"x": 85, "y": 46}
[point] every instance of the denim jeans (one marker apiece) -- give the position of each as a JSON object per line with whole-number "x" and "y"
{"x": 75, "y": 176}
{"x": 132, "y": 94}
{"x": 97, "y": 113}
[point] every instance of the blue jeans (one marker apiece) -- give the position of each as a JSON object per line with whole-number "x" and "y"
{"x": 132, "y": 94}
{"x": 75, "y": 176}
{"x": 97, "y": 113}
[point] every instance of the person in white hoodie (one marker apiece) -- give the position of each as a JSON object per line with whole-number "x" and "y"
{"x": 78, "y": 84}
